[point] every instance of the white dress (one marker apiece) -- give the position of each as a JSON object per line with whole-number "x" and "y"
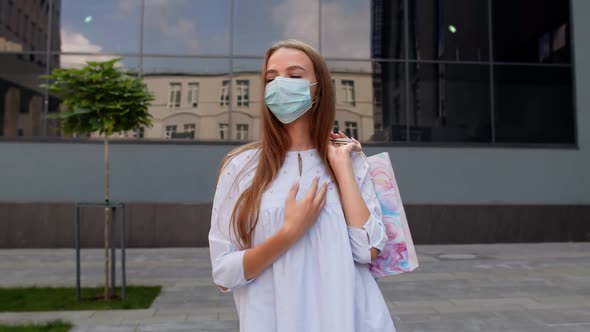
{"x": 322, "y": 283}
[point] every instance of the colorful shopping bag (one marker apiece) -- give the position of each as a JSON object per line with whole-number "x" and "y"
{"x": 399, "y": 254}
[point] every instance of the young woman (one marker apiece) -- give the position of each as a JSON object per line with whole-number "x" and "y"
{"x": 295, "y": 218}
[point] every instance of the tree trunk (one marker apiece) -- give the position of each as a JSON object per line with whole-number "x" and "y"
{"x": 107, "y": 210}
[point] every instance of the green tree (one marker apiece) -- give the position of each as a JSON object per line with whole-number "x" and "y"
{"x": 102, "y": 98}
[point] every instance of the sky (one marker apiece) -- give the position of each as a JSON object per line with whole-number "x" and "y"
{"x": 202, "y": 27}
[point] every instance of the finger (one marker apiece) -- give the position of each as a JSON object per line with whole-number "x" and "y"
{"x": 313, "y": 189}
{"x": 323, "y": 202}
{"x": 342, "y": 134}
{"x": 351, "y": 147}
{"x": 293, "y": 192}
{"x": 321, "y": 195}
{"x": 354, "y": 147}
{"x": 359, "y": 146}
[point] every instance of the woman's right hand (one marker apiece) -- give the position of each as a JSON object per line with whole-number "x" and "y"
{"x": 301, "y": 214}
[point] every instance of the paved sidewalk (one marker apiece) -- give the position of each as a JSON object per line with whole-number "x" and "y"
{"x": 501, "y": 287}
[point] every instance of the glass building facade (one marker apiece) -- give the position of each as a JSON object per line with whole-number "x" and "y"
{"x": 472, "y": 72}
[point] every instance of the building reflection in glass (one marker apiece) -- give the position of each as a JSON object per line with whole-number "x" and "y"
{"x": 403, "y": 70}
{"x": 24, "y": 34}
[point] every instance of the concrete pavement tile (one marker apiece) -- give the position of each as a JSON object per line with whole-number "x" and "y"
{"x": 492, "y": 302}
{"x": 554, "y": 302}
{"x": 79, "y": 329}
{"x": 124, "y": 314}
{"x": 158, "y": 319}
{"x": 112, "y": 328}
{"x": 562, "y": 317}
{"x": 415, "y": 276}
{"x": 470, "y": 308}
{"x": 228, "y": 316}
{"x": 190, "y": 302}
{"x": 403, "y": 311}
{"x": 419, "y": 304}
{"x": 202, "y": 317}
{"x": 189, "y": 326}
{"x": 35, "y": 317}
{"x": 90, "y": 322}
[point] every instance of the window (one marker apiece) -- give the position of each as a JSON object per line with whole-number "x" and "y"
{"x": 9, "y": 14}
{"x": 193, "y": 94}
{"x": 224, "y": 95}
{"x": 544, "y": 39}
{"x": 18, "y": 30}
{"x": 189, "y": 130}
{"x": 351, "y": 129}
{"x": 40, "y": 38}
{"x": 334, "y": 88}
{"x": 377, "y": 93}
{"x": 241, "y": 132}
{"x": 223, "y": 131}
{"x": 33, "y": 31}
{"x": 174, "y": 95}
{"x": 170, "y": 131}
{"x": 336, "y": 127}
{"x": 243, "y": 87}
{"x": 348, "y": 92}
{"x": 443, "y": 31}
{"x": 138, "y": 132}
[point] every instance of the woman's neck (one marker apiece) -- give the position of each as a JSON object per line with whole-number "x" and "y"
{"x": 300, "y": 134}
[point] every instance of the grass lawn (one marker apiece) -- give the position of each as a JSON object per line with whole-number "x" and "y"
{"x": 62, "y": 298}
{"x": 54, "y": 326}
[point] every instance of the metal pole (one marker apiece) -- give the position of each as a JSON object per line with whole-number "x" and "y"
{"x": 113, "y": 252}
{"x": 320, "y": 26}
{"x": 231, "y": 70}
{"x": 491, "y": 62}
{"x": 123, "y": 275}
{"x": 47, "y": 66}
{"x": 78, "y": 253}
{"x": 141, "y": 24}
{"x": 407, "y": 65}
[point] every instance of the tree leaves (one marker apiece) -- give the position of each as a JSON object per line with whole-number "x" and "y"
{"x": 99, "y": 97}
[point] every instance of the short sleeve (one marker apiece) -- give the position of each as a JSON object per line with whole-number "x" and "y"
{"x": 373, "y": 234}
{"x": 226, "y": 259}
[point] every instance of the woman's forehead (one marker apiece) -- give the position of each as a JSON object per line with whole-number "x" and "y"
{"x": 288, "y": 57}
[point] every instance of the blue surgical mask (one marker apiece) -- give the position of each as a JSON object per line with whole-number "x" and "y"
{"x": 288, "y": 98}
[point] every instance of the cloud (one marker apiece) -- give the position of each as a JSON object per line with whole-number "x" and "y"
{"x": 297, "y": 20}
{"x": 183, "y": 30}
{"x": 346, "y": 30}
{"x": 75, "y": 42}
{"x": 128, "y": 5}
{"x": 166, "y": 16}
{"x": 72, "y": 41}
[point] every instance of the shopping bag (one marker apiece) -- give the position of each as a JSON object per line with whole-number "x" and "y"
{"x": 398, "y": 255}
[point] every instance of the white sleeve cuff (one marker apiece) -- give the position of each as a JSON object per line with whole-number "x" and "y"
{"x": 228, "y": 271}
{"x": 376, "y": 232}
{"x": 372, "y": 235}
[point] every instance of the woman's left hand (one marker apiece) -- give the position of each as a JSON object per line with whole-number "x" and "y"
{"x": 339, "y": 153}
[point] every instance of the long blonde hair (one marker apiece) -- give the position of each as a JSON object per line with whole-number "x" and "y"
{"x": 274, "y": 144}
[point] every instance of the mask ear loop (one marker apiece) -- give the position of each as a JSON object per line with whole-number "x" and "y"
{"x": 315, "y": 97}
